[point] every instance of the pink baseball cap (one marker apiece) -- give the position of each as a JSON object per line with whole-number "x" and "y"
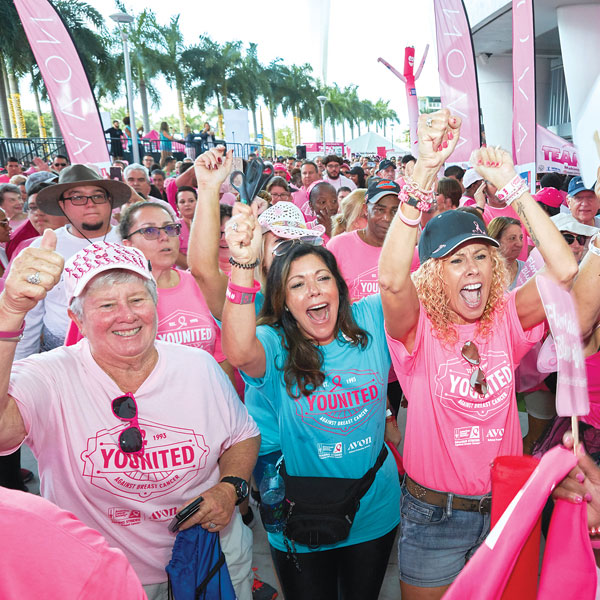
{"x": 97, "y": 258}
{"x": 549, "y": 196}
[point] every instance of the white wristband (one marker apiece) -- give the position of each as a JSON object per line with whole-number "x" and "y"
{"x": 592, "y": 246}
{"x": 512, "y": 190}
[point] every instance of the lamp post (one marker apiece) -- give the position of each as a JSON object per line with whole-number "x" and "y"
{"x": 322, "y": 100}
{"x": 392, "y": 128}
{"x": 121, "y": 18}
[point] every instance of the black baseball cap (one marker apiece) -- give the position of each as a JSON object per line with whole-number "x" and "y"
{"x": 378, "y": 188}
{"x": 448, "y": 230}
{"x": 384, "y": 164}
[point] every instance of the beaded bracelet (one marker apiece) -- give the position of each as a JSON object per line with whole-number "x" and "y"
{"x": 410, "y": 222}
{"x": 239, "y": 294}
{"x": 242, "y": 265}
{"x": 515, "y": 188}
{"x": 407, "y": 198}
{"x": 417, "y": 191}
{"x": 12, "y": 336}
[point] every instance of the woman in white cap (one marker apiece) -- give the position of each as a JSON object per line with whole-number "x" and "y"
{"x": 126, "y": 429}
{"x": 455, "y": 338}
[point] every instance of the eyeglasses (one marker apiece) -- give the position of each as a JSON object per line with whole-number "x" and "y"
{"x": 83, "y": 200}
{"x": 284, "y": 195}
{"x": 131, "y": 439}
{"x": 284, "y": 246}
{"x": 571, "y": 237}
{"x": 478, "y": 381}
{"x": 153, "y": 233}
{"x": 5, "y": 223}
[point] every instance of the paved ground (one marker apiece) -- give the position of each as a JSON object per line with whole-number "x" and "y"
{"x": 262, "y": 556}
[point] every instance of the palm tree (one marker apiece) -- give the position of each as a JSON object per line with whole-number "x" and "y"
{"x": 252, "y": 83}
{"x": 278, "y": 78}
{"x": 211, "y": 70}
{"x": 383, "y": 113}
{"x": 301, "y": 97}
{"x": 170, "y": 40}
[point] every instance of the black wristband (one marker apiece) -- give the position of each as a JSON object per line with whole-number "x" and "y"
{"x": 244, "y": 266}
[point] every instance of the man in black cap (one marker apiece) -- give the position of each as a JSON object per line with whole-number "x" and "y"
{"x": 386, "y": 169}
{"x": 332, "y": 173}
{"x": 86, "y": 200}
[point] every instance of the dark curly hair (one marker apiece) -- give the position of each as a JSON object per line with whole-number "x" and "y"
{"x": 304, "y": 361}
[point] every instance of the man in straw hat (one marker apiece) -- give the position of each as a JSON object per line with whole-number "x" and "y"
{"x": 86, "y": 200}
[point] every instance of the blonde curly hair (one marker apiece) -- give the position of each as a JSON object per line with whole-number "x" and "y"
{"x": 431, "y": 289}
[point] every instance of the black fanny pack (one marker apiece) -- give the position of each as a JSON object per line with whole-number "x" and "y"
{"x": 322, "y": 509}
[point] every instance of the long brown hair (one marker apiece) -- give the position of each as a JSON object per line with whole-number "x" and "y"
{"x": 304, "y": 359}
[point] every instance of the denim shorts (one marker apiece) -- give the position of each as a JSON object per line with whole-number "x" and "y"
{"x": 435, "y": 543}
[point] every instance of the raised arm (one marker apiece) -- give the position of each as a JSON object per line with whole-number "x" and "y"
{"x": 496, "y": 166}
{"x": 238, "y": 336}
{"x": 211, "y": 169}
{"x": 438, "y": 134}
{"x": 17, "y": 299}
{"x": 587, "y": 297}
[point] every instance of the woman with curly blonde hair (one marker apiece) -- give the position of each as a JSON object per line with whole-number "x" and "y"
{"x": 456, "y": 336}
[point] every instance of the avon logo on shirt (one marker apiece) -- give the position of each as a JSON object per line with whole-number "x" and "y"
{"x": 172, "y": 456}
{"x": 187, "y": 328}
{"x": 346, "y": 401}
{"x": 453, "y": 388}
{"x": 365, "y": 284}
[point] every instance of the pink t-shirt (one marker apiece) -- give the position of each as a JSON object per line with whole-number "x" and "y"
{"x": 358, "y": 263}
{"x": 452, "y": 434}
{"x": 189, "y": 414}
{"x": 184, "y": 237}
{"x": 50, "y": 554}
{"x": 300, "y": 198}
{"x": 491, "y": 212}
{"x": 171, "y": 190}
{"x": 184, "y": 317}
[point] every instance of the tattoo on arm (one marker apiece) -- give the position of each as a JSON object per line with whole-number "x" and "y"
{"x": 521, "y": 213}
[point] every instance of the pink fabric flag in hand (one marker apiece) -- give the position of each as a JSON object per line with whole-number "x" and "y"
{"x": 571, "y": 572}
{"x": 571, "y": 393}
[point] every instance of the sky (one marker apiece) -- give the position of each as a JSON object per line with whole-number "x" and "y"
{"x": 359, "y": 32}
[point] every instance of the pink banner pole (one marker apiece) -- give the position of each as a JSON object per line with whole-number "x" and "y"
{"x": 66, "y": 81}
{"x": 458, "y": 76}
{"x": 524, "y": 120}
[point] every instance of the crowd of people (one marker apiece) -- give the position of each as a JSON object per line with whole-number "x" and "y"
{"x": 162, "y": 341}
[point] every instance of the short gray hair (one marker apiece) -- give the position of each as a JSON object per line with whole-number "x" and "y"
{"x": 136, "y": 167}
{"x": 111, "y": 278}
{"x": 8, "y": 187}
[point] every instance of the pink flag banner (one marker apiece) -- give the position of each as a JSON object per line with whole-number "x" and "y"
{"x": 554, "y": 154}
{"x": 458, "y": 76}
{"x": 66, "y": 81}
{"x": 524, "y": 130}
{"x": 532, "y": 265}
{"x": 571, "y": 393}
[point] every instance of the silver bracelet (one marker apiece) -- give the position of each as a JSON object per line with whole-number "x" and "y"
{"x": 592, "y": 246}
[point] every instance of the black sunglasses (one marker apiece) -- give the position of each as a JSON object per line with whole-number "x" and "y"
{"x": 130, "y": 439}
{"x": 283, "y": 247}
{"x": 571, "y": 237}
{"x": 478, "y": 381}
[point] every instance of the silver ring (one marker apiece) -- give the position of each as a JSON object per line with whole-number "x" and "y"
{"x": 211, "y": 525}
{"x": 234, "y": 226}
{"x": 429, "y": 122}
{"x": 35, "y": 278}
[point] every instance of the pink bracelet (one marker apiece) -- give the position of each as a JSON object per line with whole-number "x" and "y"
{"x": 406, "y": 220}
{"x": 12, "y": 336}
{"x": 406, "y": 198}
{"x": 239, "y": 294}
{"x": 515, "y": 188}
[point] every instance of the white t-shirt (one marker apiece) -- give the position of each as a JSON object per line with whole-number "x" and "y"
{"x": 51, "y": 312}
{"x": 189, "y": 414}
{"x": 341, "y": 181}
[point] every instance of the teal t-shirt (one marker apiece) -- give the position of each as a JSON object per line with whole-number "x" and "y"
{"x": 337, "y": 431}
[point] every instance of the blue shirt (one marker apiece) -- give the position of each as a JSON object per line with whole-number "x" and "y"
{"x": 337, "y": 430}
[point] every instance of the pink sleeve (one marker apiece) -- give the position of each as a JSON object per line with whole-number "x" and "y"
{"x": 218, "y": 352}
{"x": 171, "y": 189}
